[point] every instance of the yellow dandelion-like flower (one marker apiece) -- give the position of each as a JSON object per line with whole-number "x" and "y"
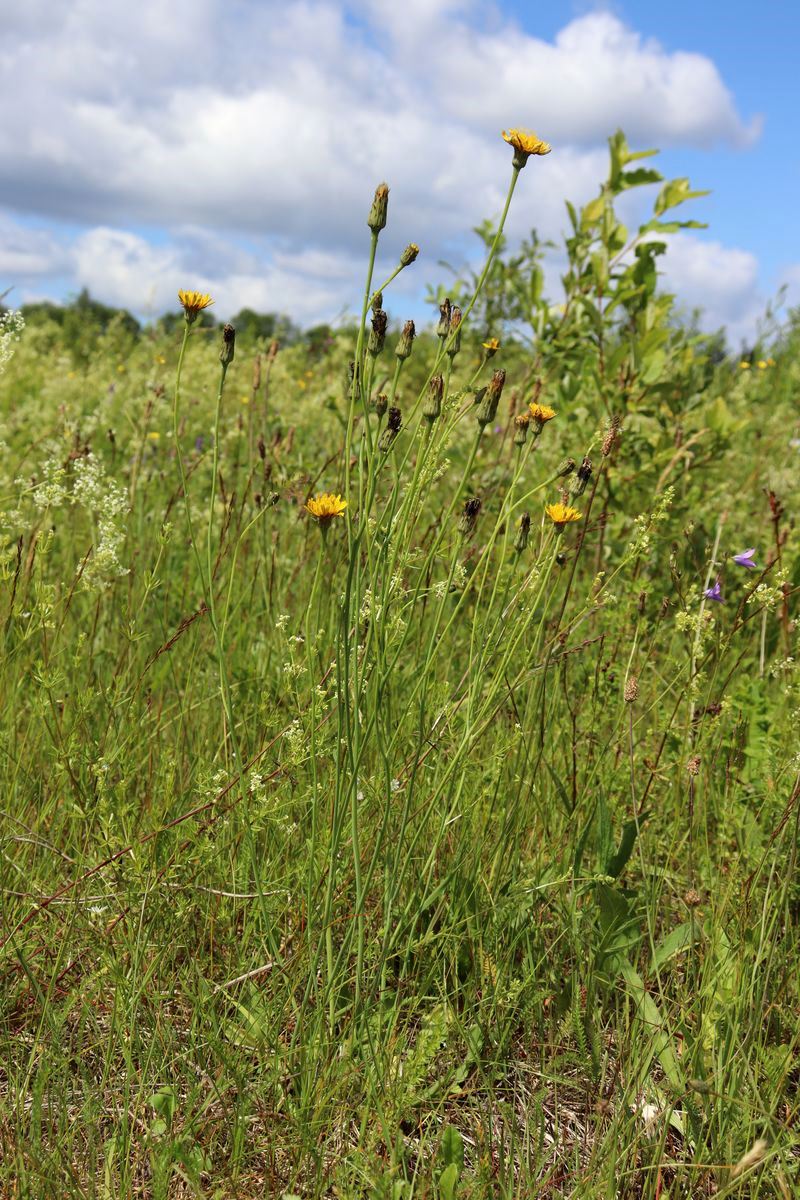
{"x": 562, "y": 514}
{"x": 770, "y": 362}
{"x": 491, "y": 347}
{"x": 193, "y": 303}
{"x": 525, "y": 143}
{"x": 154, "y": 435}
{"x": 325, "y": 507}
{"x": 541, "y": 414}
{"x": 744, "y": 366}
{"x": 762, "y": 364}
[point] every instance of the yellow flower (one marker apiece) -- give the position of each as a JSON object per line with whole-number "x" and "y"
{"x": 245, "y": 399}
{"x": 325, "y": 507}
{"x": 744, "y": 366}
{"x": 525, "y": 143}
{"x": 541, "y": 414}
{"x": 770, "y": 362}
{"x": 562, "y": 514}
{"x": 491, "y": 347}
{"x": 154, "y": 435}
{"x": 193, "y": 303}
{"x": 762, "y": 365}
{"x": 160, "y": 359}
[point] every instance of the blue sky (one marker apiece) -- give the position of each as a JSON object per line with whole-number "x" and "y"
{"x": 233, "y": 144}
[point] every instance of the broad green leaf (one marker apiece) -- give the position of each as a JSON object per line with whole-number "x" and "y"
{"x": 678, "y": 940}
{"x": 618, "y": 861}
{"x": 674, "y": 193}
{"x": 453, "y": 1148}
{"x": 448, "y": 1181}
{"x": 593, "y": 211}
{"x": 642, "y": 175}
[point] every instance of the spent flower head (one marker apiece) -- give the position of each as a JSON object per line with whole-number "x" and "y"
{"x": 193, "y": 303}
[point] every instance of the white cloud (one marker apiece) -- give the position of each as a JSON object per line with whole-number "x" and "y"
{"x": 721, "y": 280}
{"x": 250, "y": 134}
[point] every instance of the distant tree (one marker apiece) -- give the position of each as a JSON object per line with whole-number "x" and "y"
{"x": 265, "y": 326}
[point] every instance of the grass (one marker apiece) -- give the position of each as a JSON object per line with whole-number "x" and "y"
{"x": 425, "y": 851}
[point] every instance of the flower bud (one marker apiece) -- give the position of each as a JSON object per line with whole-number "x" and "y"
{"x": 565, "y": 468}
{"x": 377, "y": 213}
{"x": 377, "y": 336}
{"x": 228, "y": 345}
{"x": 394, "y": 422}
{"x": 403, "y": 348}
{"x": 432, "y": 407}
{"x": 377, "y": 302}
{"x": 409, "y": 255}
{"x": 466, "y": 522}
{"x": 491, "y": 398}
{"x": 380, "y": 403}
{"x": 521, "y": 424}
{"x": 582, "y": 478}
{"x": 454, "y": 331}
{"x": 523, "y": 531}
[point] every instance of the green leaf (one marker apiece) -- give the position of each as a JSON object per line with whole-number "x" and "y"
{"x": 453, "y": 1148}
{"x": 674, "y": 193}
{"x": 593, "y": 211}
{"x": 680, "y": 939}
{"x": 447, "y": 1182}
{"x": 642, "y": 175}
{"x": 618, "y": 861}
{"x": 654, "y": 1026}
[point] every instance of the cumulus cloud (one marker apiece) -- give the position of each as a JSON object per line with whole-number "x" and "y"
{"x": 720, "y": 280}
{"x": 252, "y": 133}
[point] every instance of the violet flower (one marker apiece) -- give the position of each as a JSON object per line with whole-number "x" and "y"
{"x": 714, "y": 593}
{"x": 745, "y": 559}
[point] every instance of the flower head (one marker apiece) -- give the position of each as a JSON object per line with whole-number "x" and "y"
{"x": 491, "y": 347}
{"x": 540, "y": 415}
{"x": 714, "y": 593}
{"x": 744, "y": 365}
{"x": 745, "y": 559}
{"x": 325, "y": 507}
{"x": 562, "y": 514}
{"x": 525, "y": 143}
{"x": 193, "y": 303}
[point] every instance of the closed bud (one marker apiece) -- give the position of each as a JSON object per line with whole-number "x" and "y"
{"x": 443, "y": 327}
{"x": 521, "y": 424}
{"x": 454, "y": 333}
{"x": 262, "y": 448}
{"x": 377, "y": 336}
{"x": 565, "y": 468}
{"x": 380, "y": 206}
{"x": 228, "y": 346}
{"x": 432, "y": 407}
{"x": 394, "y": 422}
{"x": 491, "y": 398}
{"x": 469, "y": 515}
{"x": 380, "y": 403}
{"x": 523, "y": 531}
{"x": 409, "y": 255}
{"x": 377, "y": 302}
{"x": 406, "y": 340}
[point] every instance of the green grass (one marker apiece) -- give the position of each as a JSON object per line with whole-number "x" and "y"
{"x": 357, "y": 865}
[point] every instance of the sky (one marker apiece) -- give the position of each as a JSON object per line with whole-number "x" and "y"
{"x": 232, "y": 146}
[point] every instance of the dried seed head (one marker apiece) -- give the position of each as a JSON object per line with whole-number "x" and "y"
{"x": 378, "y": 335}
{"x": 228, "y": 346}
{"x": 491, "y": 398}
{"x": 406, "y": 340}
{"x": 256, "y": 372}
{"x": 377, "y": 302}
{"x": 631, "y": 689}
{"x": 379, "y": 208}
{"x": 641, "y": 603}
{"x": 443, "y": 328}
{"x": 582, "y": 477}
{"x": 394, "y": 422}
{"x": 523, "y": 531}
{"x": 432, "y": 407}
{"x": 521, "y": 423}
{"x": 274, "y": 347}
{"x": 469, "y": 516}
{"x": 454, "y": 332}
{"x": 409, "y": 255}
{"x": 262, "y": 448}
{"x": 693, "y": 765}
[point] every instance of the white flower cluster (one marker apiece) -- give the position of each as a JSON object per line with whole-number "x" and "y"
{"x": 11, "y": 326}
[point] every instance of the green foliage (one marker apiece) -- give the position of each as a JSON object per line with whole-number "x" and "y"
{"x": 404, "y": 856}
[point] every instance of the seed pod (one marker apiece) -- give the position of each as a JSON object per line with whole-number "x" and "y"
{"x": 432, "y": 407}
{"x": 379, "y": 209}
{"x": 228, "y": 346}
{"x": 491, "y": 398}
{"x": 469, "y": 515}
{"x": 523, "y": 531}
{"x": 406, "y": 341}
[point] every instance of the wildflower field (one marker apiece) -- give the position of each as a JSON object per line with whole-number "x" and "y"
{"x": 399, "y": 739}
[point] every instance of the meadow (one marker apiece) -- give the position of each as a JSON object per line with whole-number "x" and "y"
{"x": 399, "y": 762}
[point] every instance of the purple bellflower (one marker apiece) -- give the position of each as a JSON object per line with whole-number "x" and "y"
{"x": 745, "y": 559}
{"x": 714, "y": 593}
